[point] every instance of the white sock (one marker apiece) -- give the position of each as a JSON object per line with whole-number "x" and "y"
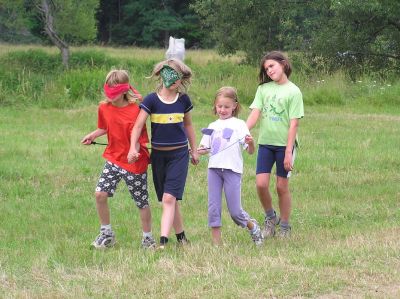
{"x": 147, "y": 234}
{"x": 105, "y": 227}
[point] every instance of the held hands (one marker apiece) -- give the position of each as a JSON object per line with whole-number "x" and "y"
{"x": 133, "y": 154}
{"x": 249, "y": 139}
{"x": 194, "y": 157}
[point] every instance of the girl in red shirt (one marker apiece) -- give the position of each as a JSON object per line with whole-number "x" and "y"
{"x": 116, "y": 117}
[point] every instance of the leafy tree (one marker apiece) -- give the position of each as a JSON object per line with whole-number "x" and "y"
{"x": 62, "y": 21}
{"x": 350, "y": 33}
{"x": 148, "y": 23}
{"x": 255, "y": 26}
{"x": 360, "y": 33}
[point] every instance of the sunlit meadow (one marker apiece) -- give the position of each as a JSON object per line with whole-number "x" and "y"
{"x": 346, "y": 199}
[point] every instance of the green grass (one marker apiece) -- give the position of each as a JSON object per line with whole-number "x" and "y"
{"x": 346, "y": 200}
{"x": 345, "y": 217}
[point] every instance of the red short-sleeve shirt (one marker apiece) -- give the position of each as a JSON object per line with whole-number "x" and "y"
{"x": 118, "y": 122}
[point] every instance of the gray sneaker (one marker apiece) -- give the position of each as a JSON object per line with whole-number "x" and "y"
{"x": 257, "y": 236}
{"x": 105, "y": 239}
{"x": 269, "y": 228}
{"x": 285, "y": 232}
{"x": 148, "y": 243}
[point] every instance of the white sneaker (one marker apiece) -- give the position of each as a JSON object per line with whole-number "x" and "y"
{"x": 105, "y": 239}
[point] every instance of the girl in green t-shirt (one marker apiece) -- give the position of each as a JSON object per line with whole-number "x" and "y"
{"x": 278, "y": 104}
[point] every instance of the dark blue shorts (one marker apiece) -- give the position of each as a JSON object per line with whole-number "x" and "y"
{"x": 170, "y": 169}
{"x": 268, "y": 155}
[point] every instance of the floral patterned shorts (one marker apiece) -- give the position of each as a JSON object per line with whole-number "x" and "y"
{"x": 137, "y": 183}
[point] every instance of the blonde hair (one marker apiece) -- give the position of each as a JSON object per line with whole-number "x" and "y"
{"x": 184, "y": 71}
{"x": 115, "y": 77}
{"x": 231, "y": 93}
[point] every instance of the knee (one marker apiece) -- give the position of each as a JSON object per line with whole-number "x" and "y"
{"x": 282, "y": 189}
{"x": 101, "y": 197}
{"x": 262, "y": 187}
{"x": 168, "y": 199}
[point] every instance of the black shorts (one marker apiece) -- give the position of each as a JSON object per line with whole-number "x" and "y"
{"x": 268, "y": 155}
{"x": 170, "y": 170}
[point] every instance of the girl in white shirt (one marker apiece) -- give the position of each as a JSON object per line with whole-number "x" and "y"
{"x": 224, "y": 140}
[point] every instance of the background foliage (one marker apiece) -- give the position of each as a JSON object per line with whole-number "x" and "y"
{"x": 352, "y": 35}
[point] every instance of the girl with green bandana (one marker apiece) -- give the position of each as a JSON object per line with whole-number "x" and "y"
{"x": 171, "y": 133}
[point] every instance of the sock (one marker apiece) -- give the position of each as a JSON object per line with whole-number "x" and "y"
{"x": 163, "y": 240}
{"x": 270, "y": 214}
{"x": 149, "y": 234}
{"x": 285, "y": 225}
{"x": 181, "y": 236}
{"x": 252, "y": 231}
{"x": 105, "y": 227}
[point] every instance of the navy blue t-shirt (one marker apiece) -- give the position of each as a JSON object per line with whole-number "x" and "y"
{"x": 167, "y": 119}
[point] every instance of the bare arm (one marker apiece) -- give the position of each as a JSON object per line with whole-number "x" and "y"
{"x": 294, "y": 123}
{"x": 187, "y": 122}
{"x": 87, "y": 140}
{"x": 253, "y": 118}
{"x": 133, "y": 154}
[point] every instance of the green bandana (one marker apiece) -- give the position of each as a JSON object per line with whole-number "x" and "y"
{"x": 169, "y": 75}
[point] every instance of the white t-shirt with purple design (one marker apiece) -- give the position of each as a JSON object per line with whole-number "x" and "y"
{"x": 225, "y": 140}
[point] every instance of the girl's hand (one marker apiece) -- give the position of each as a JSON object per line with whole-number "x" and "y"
{"x": 195, "y": 157}
{"x": 287, "y": 162}
{"x": 248, "y": 139}
{"x": 87, "y": 140}
{"x": 133, "y": 156}
{"x": 202, "y": 150}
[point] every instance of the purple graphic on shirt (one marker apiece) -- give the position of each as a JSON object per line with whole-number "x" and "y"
{"x": 219, "y": 139}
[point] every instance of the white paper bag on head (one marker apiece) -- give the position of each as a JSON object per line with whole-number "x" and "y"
{"x": 176, "y": 48}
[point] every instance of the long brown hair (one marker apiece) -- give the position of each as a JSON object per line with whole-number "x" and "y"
{"x": 279, "y": 57}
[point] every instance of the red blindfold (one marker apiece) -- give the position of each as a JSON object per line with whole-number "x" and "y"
{"x": 113, "y": 91}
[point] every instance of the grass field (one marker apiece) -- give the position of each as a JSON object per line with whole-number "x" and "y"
{"x": 346, "y": 210}
{"x": 345, "y": 217}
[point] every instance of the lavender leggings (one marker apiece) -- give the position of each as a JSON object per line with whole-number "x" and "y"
{"x": 230, "y": 182}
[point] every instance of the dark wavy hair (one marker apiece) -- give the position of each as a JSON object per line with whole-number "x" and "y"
{"x": 279, "y": 57}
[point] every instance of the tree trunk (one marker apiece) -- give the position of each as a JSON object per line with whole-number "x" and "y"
{"x": 48, "y": 19}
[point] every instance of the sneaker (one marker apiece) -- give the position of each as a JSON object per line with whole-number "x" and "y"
{"x": 148, "y": 243}
{"x": 183, "y": 241}
{"x": 285, "y": 232}
{"x": 257, "y": 236}
{"x": 269, "y": 229}
{"x": 105, "y": 239}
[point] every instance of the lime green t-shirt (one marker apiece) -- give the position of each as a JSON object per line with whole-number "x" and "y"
{"x": 278, "y": 105}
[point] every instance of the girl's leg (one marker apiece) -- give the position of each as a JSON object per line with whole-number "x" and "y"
{"x": 102, "y": 207}
{"x": 145, "y": 218}
{"x": 216, "y": 235}
{"x": 215, "y": 183}
{"x": 262, "y": 183}
{"x": 285, "y": 200}
{"x": 168, "y": 214}
{"x": 178, "y": 219}
{"x": 232, "y": 189}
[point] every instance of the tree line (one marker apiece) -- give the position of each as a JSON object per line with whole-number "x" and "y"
{"x": 341, "y": 32}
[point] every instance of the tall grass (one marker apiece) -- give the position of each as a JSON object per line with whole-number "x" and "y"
{"x": 35, "y": 77}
